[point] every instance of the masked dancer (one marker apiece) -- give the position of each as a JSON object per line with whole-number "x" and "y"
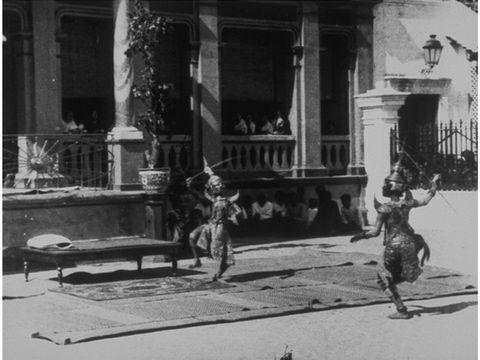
{"x": 214, "y": 236}
{"x": 402, "y": 245}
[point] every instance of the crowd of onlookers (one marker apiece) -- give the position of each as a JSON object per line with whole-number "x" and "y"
{"x": 290, "y": 213}
{"x": 71, "y": 125}
{"x": 286, "y": 214}
{"x": 261, "y": 125}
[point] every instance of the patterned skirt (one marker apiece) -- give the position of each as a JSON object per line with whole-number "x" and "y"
{"x": 401, "y": 260}
{"x": 216, "y": 240}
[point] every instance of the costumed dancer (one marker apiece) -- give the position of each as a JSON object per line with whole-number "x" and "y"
{"x": 214, "y": 236}
{"x": 402, "y": 245}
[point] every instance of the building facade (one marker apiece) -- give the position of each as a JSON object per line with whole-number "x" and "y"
{"x": 341, "y": 72}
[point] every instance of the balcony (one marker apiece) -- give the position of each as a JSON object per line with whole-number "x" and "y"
{"x": 260, "y": 154}
{"x": 335, "y": 153}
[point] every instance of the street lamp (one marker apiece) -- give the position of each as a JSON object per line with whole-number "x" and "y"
{"x": 431, "y": 53}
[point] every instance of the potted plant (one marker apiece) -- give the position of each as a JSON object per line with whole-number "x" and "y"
{"x": 145, "y": 30}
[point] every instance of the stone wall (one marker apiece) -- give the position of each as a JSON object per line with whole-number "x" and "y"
{"x": 83, "y": 215}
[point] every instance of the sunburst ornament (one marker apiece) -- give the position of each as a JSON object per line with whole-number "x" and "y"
{"x": 37, "y": 164}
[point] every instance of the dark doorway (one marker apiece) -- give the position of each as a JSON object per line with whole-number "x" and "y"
{"x": 419, "y": 111}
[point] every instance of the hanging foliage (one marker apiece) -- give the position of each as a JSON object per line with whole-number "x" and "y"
{"x": 145, "y": 30}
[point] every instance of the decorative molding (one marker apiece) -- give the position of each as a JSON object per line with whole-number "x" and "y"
{"x": 81, "y": 11}
{"x": 257, "y": 25}
{"x": 21, "y": 12}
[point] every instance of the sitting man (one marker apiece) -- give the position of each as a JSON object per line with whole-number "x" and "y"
{"x": 262, "y": 212}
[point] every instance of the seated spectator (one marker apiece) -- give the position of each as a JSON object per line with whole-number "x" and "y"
{"x": 300, "y": 212}
{"x": 350, "y": 216}
{"x": 251, "y": 126}
{"x": 312, "y": 211}
{"x": 266, "y": 127}
{"x": 194, "y": 228}
{"x": 281, "y": 126}
{"x": 240, "y": 127}
{"x": 245, "y": 216}
{"x": 328, "y": 219}
{"x": 279, "y": 212}
{"x": 262, "y": 212}
{"x": 279, "y": 206}
{"x": 205, "y": 207}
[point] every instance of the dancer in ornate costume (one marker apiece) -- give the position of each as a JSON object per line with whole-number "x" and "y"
{"x": 402, "y": 245}
{"x": 214, "y": 236}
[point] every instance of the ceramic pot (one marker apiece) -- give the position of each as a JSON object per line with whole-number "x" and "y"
{"x": 155, "y": 180}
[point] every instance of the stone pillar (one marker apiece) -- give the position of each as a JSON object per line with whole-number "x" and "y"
{"x": 47, "y": 70}
{"x": 155, "y": 216}
{"x": 195, "y": 105}
{"x": 125, "y": 142}
{"x": 380, "y": 115}
{"x": 361, "y": 77}
{"x": 23, "y": 52}
{"x": 209, "y": 80}
{"x": 295, "y": 115}
{"x": 309, "y": 125}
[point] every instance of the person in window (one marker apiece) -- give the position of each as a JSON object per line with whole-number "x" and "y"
{"x": 252, "y": 127}
{"x": 281, "y": 126}
{"x": 93, "y": 125}
{"x": 240, "y": 127}
{"x": 266, "y": 127}
{"x": 71, "y": 126}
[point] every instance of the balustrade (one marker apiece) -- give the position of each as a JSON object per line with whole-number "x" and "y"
{"x": 258, "y": 152}
{"x": 176, "y": 151}
{"x": 335, "y": 153}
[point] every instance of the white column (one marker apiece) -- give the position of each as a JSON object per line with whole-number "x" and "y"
{"x": 380, "y": 115}
{"x": 126, "y": 143}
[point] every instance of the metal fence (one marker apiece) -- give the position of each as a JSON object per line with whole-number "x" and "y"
{"x": 447, "y": 149}
{"x": 58, "y": 160}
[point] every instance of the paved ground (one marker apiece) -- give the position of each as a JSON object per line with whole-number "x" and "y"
{"x": 341, "y": 333}
{"x": 444, "y": 329}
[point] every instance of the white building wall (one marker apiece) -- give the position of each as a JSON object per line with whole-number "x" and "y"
{"x": 401, "y": 28}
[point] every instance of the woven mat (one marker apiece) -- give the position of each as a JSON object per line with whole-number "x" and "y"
{"x": 139, "y": 288}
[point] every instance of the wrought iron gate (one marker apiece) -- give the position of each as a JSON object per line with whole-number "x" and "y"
{"x": 447, "y": 149}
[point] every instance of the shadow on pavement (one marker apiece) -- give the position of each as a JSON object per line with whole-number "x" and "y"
{"x": 83, "y": 277}
{"x": 282, "y": 246}
{"x": 283, "y": 274}
{"x": 441, "y": 310}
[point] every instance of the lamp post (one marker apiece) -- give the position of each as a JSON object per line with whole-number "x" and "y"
{"x": 432, "y": 50}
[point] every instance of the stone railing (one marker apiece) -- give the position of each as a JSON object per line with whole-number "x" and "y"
{"x": 55, "y": 160}
{"x": 258, "y": 153}
{"x": 176, "y": 151}
{"x": 335, "y": 153}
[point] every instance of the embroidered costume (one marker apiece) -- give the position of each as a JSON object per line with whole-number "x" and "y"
{"x": 402, "y": 245}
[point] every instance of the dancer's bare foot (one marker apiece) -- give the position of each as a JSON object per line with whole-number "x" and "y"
{"x": 400, "y": 315}
{"x": 196, "y": 264}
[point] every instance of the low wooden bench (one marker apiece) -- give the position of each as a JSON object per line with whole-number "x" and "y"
{"x": 134, "y": 248}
